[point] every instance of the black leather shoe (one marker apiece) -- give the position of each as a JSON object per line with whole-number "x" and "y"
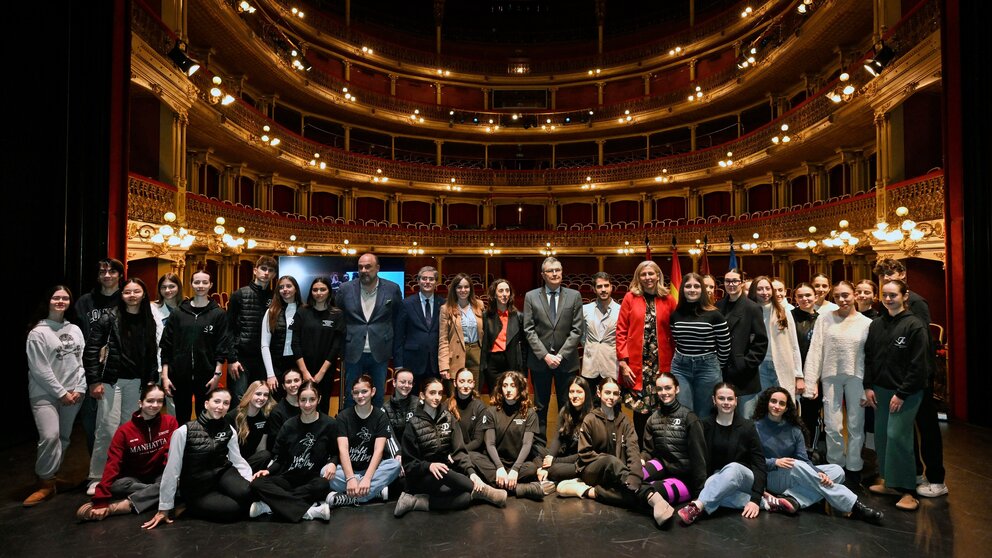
{"x": 864, "y": 513}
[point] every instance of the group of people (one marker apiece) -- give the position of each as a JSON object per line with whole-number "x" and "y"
{"x": 693, "y": 371}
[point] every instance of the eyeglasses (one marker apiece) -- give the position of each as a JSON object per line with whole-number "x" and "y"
{"x": 553, "y": 271}
{"x": 731, "y": 281}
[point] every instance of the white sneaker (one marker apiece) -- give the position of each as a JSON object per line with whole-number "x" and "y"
{"x": 318, "y": 511}
{"x": 932, "y": 490}
{"x": 385, "y": 494}
{"x": 258, "y": 509}
{"x": 91, "y": 488}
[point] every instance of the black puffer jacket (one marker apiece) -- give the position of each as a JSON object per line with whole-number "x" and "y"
{"x": 106, "y": 332}
{"x": 429, "y": 440}
{"x": 674, "y": 436}
{"x": 244, "y": 320}
{"x": 399, "y": 412}
{"x": 205, "y": 454}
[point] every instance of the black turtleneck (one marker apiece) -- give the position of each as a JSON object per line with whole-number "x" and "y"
{"x": 470, "y": 413}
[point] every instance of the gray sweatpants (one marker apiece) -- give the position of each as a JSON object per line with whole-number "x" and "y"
{"x": 143, "y": 495}
{"x": 54, "y": 421}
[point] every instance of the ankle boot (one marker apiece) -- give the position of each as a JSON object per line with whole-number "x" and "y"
{"x": 45, "y": 490}
{"x": 494, "y": 496}
{"x": 531, "y": 491}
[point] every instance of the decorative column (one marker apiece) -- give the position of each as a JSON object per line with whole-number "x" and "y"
{"x": 488, "y": 213}
{"x": 738, "y": 198}
{"x": 600, "y": 210}
{"x": 229, "y": 184}
{"x": 599, "y": 92}
{"x": 600, "y": 21}
{"x": 439, "y": 209}
{"x": 647, "y": 202}
{"x": 348, "y": 204}
{"x": 179, "y": 122}
{"x": 554, "y": 151}
{"x": 438, "y": 19}
{"x": 599, "y": 148}
{"x": 693, "y": 200}
{"x": 303, "y": 193}
{"x": 392, "y": 84}
{"x": 554, "y": 98}
{"x": 551, "y": 209}
{"x": 780, "y": 191}
{"x": 485, "y": 97}
{"x": 393, "y": 202}
{"x": 647, "y": 146}
{"x": 647, "y": 84}
{"x": 437, "y": 145}
{"x": 347, "y": 138}
{"x": 817, "y": 180}
{"x": 347, "y": 69}
{"x": 392, "y": 147}
{"x": 692, "y": 70}
{"x": 601, "y": 263}
{"x": 263, "y": 191}
{"x": 437, "y": 92}
{"x": 692, "y": 137}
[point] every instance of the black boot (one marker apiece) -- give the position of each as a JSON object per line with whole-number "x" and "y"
{"x": 535, "y": 490}
{"x": 866, "y": 514}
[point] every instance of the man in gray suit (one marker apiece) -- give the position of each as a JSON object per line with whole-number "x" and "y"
{"x": 554, "y": 327}
{"x": 371, "y": 307}
{"x": 599, "y": 357}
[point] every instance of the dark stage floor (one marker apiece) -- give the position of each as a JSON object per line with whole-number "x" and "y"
{"x": 957, "y": 525}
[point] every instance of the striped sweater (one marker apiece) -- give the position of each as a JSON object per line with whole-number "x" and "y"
{"x": 698, "y": 335}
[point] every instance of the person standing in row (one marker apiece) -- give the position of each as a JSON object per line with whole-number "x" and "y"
{"x": 121, "y": 355}
{"x": 56, "y": 385}
{"x": 277, "y": 333}
{"x": 837, "y": 358}
{"x": 460, "y": 329}
{"x": 748, "y": 342}
{"x": 930, "y": 455}
{"x": 805, "y": 317}
{"x": 89, "y": 308}
{"x": 644, "y": 339}
{"x": 504, "y": 346}
{"x": 318, "y": 335}
{"x": 194, "y": 347}
{"x": 599, "y": 353}
{"x": 418, "y": 328}
{"x": 245, "y": 312}
{"x": 702, "y": 345}
{"x": 170, "y": 295}
{"x": 782, "y": 365}
{"x": 554, "y": 328}
{"x": 895, "y": 381}
{"x": 866, "y": 296}
{"x": 821, "y": 285}
{"x": 372, "y": 306}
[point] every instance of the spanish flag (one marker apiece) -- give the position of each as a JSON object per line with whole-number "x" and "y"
{"x": 676, "y": 275}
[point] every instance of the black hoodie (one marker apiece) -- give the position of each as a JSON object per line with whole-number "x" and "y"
{"x": 896, "y": 354}
{"x": 195, "y": 340}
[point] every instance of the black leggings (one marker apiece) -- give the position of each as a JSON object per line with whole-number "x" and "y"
{"x": 184, "y": 390}
{"x": 290, "y": 500}
{"x": 608, "y": 474}
{"x": 487, "y": 469}
{"x": 558, "y": 472}
{"x": 453, "y": 491}
{"x": 226, "y": 503}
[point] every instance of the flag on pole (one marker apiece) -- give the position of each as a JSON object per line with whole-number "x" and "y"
{"x": 704, "y": 267}
{"x": 676, "y": 275}
{"x": 647, "y": 247}
{"x": 733, "y": 257}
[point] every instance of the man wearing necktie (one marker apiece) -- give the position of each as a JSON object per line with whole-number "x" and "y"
{"x": 417, "y": 329}
{"x": 554, "y": 326}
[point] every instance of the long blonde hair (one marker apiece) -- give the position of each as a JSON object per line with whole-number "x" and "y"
{"x": 241, "y": 420}
{"x": 635, "y": 281}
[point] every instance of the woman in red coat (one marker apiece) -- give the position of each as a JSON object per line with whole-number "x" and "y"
{"x": 644, "y": 340}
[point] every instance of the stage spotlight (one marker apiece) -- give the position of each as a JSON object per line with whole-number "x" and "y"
{"x": 880, "y": 60}
{"x": 185, "y": 63}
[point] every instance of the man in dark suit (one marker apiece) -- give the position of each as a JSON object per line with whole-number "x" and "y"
{"x": 748, "y": 342}
{"x": 371, "y": 307}
{"x": 554, "y": 326}
{"x": 417, "y": 329}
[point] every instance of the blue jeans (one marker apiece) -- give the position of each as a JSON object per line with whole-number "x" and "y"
{"x": 802, "y": 482}
{"x": 697, "y": 375}
{"x": 766, "y": 373}
{"x": 730, "y": 487}
{"x": 365, "y": 365}
{"x": 387, "y": 471}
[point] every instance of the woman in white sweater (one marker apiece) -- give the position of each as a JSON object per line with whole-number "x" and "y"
{"x": 783, "y": 365}
{"x": 836, "y": 357}
{"x": 56, "y": 385}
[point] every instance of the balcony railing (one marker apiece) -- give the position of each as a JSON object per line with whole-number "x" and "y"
{"x": 148, "y": 200}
